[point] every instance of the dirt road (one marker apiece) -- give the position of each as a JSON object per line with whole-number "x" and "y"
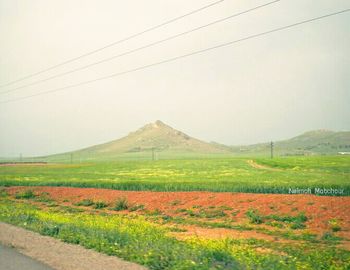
{"x": 56, "y": 254}
{"x": 11, "y": 259}
{"x": 262, "y": 167}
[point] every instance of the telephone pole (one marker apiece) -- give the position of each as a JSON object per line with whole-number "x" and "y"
{"x": 271, "y": 145}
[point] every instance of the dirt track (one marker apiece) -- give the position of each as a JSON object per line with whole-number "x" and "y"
{"x": 262, "y": 167}
{"x": 11, "y": 164}
{"x": 59, "y": 255}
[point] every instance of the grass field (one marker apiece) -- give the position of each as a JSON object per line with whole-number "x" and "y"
{"x": 207, "y": 174}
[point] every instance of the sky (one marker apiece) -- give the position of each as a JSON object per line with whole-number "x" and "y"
{"x": 268, "y": 88}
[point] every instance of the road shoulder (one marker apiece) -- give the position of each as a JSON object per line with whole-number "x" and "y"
{"x": 57, "y": 254}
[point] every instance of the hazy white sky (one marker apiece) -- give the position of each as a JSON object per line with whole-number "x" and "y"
{"x": 268, "y": 88}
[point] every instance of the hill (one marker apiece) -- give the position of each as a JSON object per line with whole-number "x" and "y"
{"x": 153, "y": 139}
{"x": 309, "y": 143}
{"x": 160, "y": 141}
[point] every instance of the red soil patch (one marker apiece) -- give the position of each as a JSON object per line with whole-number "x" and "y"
{"x": 10, "y": 164}
{"x": 318, "y": 209}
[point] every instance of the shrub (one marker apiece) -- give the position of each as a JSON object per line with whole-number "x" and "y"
{"x": 28, "y": 194}
{"x": 181, "y": 210}
{"x": 69, "y": 209}
{"x": 121, "y": 204}
{"x": 3, "y": 193}
{"x": 100, "y": 205}
{"x": 334, "y": 224}
{"x": 85, "y": 202}
{"x": 225, "y": 207}
{"x": 51, "y": 204}
{"x": 176, "y": 202}
{"x": 155, "y": 212}
{"x": 329, "y": 236}
{"x": 137, "y": 207}
{"x": 296, "y": 222}
{"x": 44, "y": 197}
{"x": 297, "y": 225}
{"x": 235, "y": 213}
{"x": 254, "y": 216}
{"x": 212, "y": 213}
{"x": 50, "y": 230}
{"x": 275, "y": 224}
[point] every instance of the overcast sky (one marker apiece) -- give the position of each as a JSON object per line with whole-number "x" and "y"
{"x": 268, "y": 88}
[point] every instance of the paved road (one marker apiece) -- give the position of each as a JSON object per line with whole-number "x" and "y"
{"x": 11, "y": 259}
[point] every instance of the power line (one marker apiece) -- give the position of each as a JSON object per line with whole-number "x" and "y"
{"x": 113, "y": 43}
{"x": 141, "y": 48}
{"x": 181, "y": 56}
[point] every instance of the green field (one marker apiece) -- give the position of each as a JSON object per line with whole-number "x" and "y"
{"x": 210, "y": 174}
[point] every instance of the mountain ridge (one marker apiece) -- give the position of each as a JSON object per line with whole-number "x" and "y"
{"x": 162, "y": 138}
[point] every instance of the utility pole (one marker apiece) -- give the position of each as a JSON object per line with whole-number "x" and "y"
{"x": 153, "y": 153}
{"x": 271, "y": 149}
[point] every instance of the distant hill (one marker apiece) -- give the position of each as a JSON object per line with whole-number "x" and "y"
{"x": 309, "y": 143}
{"x": 155, "y": 137}
{"x": 158, "y": 140}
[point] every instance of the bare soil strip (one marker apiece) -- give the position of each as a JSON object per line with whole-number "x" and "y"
{"x": 57, "y": 254}
{"x": 10, "y": 164}
{"x": 262, "y": 167}
{"x": 319, "y": 209}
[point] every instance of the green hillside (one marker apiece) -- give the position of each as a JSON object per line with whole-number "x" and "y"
{"x": 154, "y": 140}
{"x": 316, "y": 142}
{"x": 160, "y": 141}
